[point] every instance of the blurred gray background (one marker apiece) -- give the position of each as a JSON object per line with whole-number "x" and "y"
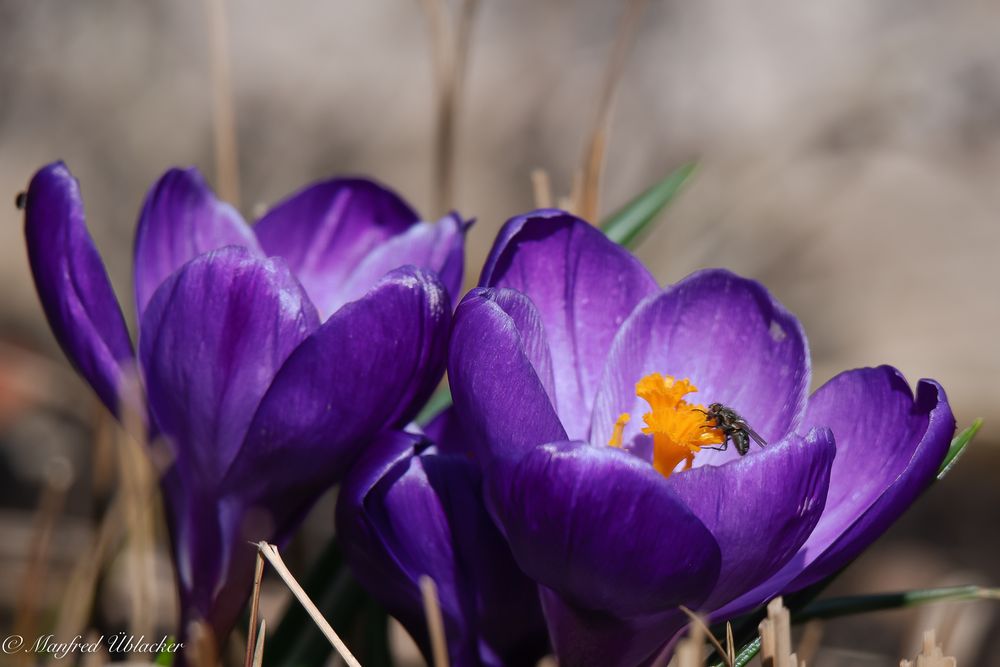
{"x": 849, "y": 158}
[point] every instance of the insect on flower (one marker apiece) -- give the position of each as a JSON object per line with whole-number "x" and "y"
{"x": 733, "y": 427}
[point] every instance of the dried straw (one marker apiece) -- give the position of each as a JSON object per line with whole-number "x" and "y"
{"x": 270, "y": 552}
{"x": 223, "y": 115}
{"x": 435, "y": 621}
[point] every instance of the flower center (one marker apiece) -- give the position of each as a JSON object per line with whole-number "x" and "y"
{"x": 679, "y": 429}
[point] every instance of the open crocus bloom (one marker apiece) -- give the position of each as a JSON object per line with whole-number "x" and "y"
{"x": 268, "y": 355}
{"x": 585, "y": 385}
{"x": 412, "y": 506}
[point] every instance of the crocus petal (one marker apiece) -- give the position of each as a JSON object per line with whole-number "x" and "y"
{"x": 405, "y": 511}
{"x": 889, "y": 448}
{"x": 727, "y": 334}
{"x": 326, "y": 229}
{"x": 501, "y": 375}
{"x": 582, "y": 637}
{"x": 72, "y": 283}
{"x": 212, "y": 338}
{"x": 181, "y": 219}
{"x": 369, "y": 367}
{"x": 583, "y": 285}
{"x": 439, "y": 247}
{"x": 759, "y": 508}
{"x": 604, "y": 530}
{"x": 447, "y": 433}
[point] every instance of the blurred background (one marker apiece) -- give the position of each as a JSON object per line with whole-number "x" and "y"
{"x": 849, "y": 157}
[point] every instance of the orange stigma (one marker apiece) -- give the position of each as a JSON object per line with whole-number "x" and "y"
{"x": 679, "y": 428}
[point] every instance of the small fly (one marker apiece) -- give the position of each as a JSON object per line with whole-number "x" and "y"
{"x": 733, "y": 427}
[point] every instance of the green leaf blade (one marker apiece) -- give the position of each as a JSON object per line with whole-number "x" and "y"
{"x": 958, "y": 446}
{"x": 626, "y": 226}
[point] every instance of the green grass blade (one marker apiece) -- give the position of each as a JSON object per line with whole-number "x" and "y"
{"x": 958, "y": 446}
{"x": 626, "y": 225}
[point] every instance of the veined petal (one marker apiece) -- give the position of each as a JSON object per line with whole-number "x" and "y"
{"x": 326, "y": 229}
{"x": 212, "y": 338}
{"x": 438, "y": 247}
{"x": 501, "y": 375}
{"x": 583, "y": 285}
{"x": 406, "y": 511}
{"x": 181, "y": 219}
{"x": 759, "y": 508}
{"x": 603, "y": 529}
{"x": 727, "y": 335}
{"x": 369, "y": 367}
{"x": 889, "y": 447}
{"x": 73, "y": 284}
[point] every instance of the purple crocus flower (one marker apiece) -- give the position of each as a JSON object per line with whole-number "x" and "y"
{"x": 268, "y": 355}
{"x": 573, "y": 371}
{"x": 413, "y": 506}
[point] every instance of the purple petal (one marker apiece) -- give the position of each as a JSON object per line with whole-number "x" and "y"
{"x": 760, "y": 508}
{"x": 583, "y": 637}
{"x": 439, "y": 247}
{"x": 727, "y": 334}
{"x": 325, "y": 230}
{"x": 604, "y": 530}
{"x": 369, "y": 367}
{"x": 405, "y": 511}
{"x": 889, "y": 448}
{"x": 448, "y": 434}
{"x": 501, "y": 375}
{"x": 212, "y": 338}
{"x": 72, "y": 283}
{"x": 583, "y": 285}
{"x": 181, "y": 219}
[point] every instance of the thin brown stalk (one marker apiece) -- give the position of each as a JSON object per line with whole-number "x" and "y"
{"x": 703, "y": 628}
{"x": 258, "y": 576}
{"x": 593, "y": 161}
{"x": 450, "y": 43}
{"x": 58, "y": 479}
{"x": 223, "y": 115}
{"x": 812, "y": 635}
{"x": 78, "y": 600}
{"x": 274, "y": 558}
{"x": 139, "y": 489}
{"x": 730, "y": 644}
{"x": 435, "y": 621}
{"x": 542, "y": 188}
{"x": 258, "y": 652}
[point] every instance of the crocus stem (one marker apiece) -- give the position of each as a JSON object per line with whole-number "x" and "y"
{"x": 859, "y": 604}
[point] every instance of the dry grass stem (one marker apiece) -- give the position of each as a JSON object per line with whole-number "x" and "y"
{"x": 776, "y": 637}
{"x": 58, "y": 479}
{"x": 258, "y": 652}
{"x": 274, "y": 558}
{"x": 139, "y": 488}
{"x": 730, "y": 644}
{"x": 435, "y": 621}
{"x": 690, "y": 650}
{"x": 931, "y": 655}
{"x": 593, "y": 160}
{"x": 697, "y": 620}
{"x": 78, "y": 600}
{"x": 450, "y": 41}
{"x": 258, "y": 576}
{"x": 542, "y": 188}
{"x": 812, "y": 635}
{"x": 223, "y": 115}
